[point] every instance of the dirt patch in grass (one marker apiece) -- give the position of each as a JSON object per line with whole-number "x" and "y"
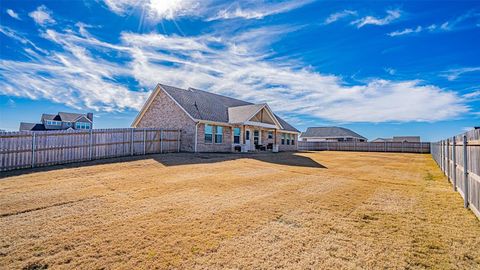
{"x": 333, "y": 210}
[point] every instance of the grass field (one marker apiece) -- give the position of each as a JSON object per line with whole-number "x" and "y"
{"x": 333, "y": 210}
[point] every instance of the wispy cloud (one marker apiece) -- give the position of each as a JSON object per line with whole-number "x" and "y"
{"x": 209, "y": 10}
{"x": 339, "y": 15}
{"x": 258, "y": 11}
{"x": 391, "y": 16}
{"x": 236, "y": 65}
{"x": 390, "y": 71}
{"x": 474, "y": 94}
{"x": 157, "y": 9}
{"x": 461, "y": 22}
{"x": 405, "y": 31}
{"x": 18, "y": 37}
{"x": 13, "y": 14}
{"x": 453, "y": 74}
{"x": 42, "y": 16}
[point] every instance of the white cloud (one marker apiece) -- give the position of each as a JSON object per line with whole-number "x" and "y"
{"x": 474, "y": 94}
{"x": 390, "y": 17}
{"x": 237, "y": 66}
{"x": 339, "y": 15}
{"x": 42, "y": 16}
{"x": 13, "y": 14}
{"x": 258, "y": 11}
{"x": 464, "y": 21}
{"x": 390, "y": 71}
{"x": 405, "y": 31}
{"x": 453, "y": 74}
{"x": 18, "y": 37}
{"x": 156, "y": 9}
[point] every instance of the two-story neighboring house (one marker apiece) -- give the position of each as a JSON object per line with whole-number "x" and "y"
{"x": 60, "y": 121}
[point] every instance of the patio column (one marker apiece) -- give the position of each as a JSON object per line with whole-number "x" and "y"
{"x": 243, "y": 135}
{"x": 274, "y": 137}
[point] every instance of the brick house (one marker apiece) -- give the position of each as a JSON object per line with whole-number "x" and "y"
{"x": 216, "y": 123}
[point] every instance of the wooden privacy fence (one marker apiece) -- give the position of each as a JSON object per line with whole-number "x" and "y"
{"x": 28, "y": 149}
{"x": 459, "y": 159}
{"x": 400, "y": 147}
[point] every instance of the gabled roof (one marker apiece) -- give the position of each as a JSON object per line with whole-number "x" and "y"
{"x": 240, "y": 114}
{"x": 31, "y": 126}
{"x": 206, "y": 106}
{"x": 319, "y": 132}
{"x": 64, "y": 116}
{"x": 70, "y": 117}
{"x": 47, "y": 116}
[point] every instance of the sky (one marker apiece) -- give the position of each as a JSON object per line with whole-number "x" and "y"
{"x": 381, "y": 68}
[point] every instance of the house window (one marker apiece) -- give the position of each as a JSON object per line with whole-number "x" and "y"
{"x": 54, "y": 123}
{"x": 283, "y": 138}
{"x": 69, "y": 124}
{"x": 208, "y": 133}
{"x": 270, "y": 134}
{"x": 81, "y": 125}
{"x": 218, "y": 134}
{"x": 293, "y": 139}
{"x": 288, "y": 139}
{"x": 236, "y": 135}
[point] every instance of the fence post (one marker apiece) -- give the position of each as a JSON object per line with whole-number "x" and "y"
{"x": 354, "y": 145}
{"x": 441, "y": 155}
{"x": 447, "y": 155}
{"x": 33, "y": 149}
{"x": 161, "y": 141}
{"x": 402, "y": 147}
{"x": 131, "y": 141}
{"x": 144, "y": 141}
{"x": 385, "y": 146}
{"x": 178, "y": 140}
{"x": 90, "y": 147}
{"x": 465, "y": 172}
{"x": 454, "y": 160}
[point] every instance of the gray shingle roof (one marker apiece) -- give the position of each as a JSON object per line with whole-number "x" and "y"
{"x": 70, "y": 117}
{"x": 62, "y": 116}
{"x": 208, "y": 106}
{"x": 31, "y": 126}
{"x": 47, "y": 116}
{"x": 330, "y": 132}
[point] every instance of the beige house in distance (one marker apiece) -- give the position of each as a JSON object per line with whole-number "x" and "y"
{"x": 216, "y": 123}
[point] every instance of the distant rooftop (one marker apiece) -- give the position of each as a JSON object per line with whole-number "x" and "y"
{"x": 330, "y": 132}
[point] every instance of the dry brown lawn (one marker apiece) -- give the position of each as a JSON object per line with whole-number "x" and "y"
{"x": 316, "y": 210}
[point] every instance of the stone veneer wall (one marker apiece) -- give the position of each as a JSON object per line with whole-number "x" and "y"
{"x": 165, "y": 113}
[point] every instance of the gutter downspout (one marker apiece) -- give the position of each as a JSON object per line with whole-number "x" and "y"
{"x": 196, "y": 135}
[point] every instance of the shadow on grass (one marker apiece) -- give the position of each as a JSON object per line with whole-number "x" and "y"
{"x": 178, "y": 159}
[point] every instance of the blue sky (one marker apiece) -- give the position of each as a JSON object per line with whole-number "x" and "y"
{"x": 382, "y": 68}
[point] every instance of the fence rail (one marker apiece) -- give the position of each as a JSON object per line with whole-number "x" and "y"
{"x": 459, "y": 159}
{"x": 27, "y": 149}
{"x": 400, "y": 147}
